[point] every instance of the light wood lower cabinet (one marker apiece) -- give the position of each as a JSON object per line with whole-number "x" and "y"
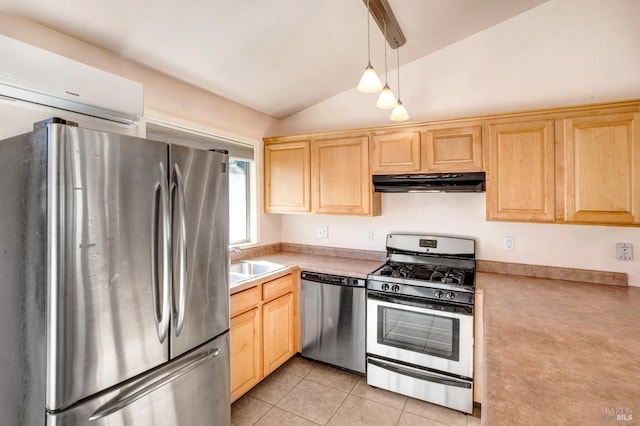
{"x": 278, "y": 326}
{"x": 246, "y": 359}
{"x": 264, "y": 331}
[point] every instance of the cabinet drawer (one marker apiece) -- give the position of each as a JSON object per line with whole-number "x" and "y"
{"x": 244, "y": 300}
{"x": 277, "y": 287}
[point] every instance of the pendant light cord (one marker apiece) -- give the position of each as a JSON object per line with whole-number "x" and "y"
{"x": 398, "y": 60}
{"x": 368, "y": 32}
{"x": 386, "y": 80}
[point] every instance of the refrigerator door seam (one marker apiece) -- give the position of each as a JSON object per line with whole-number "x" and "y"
{"x": 177, "y": 185}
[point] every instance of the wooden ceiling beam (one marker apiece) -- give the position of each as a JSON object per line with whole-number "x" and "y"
{"x": 381, "y": 12}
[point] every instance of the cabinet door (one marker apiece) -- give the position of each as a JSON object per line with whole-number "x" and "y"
{"x": 602, "y": 168}
{"x": 520, "y": 178}
{"x": 453, "y": 149}
{"x": 287, "y": 177}
{"x": 278, "y": 331}
{"x": 397, "y": 152}
{"x": 341, "y": 178}
{"x": 246, "y": 363}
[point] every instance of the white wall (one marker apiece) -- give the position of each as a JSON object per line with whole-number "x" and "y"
{"x": 463, "y": 214}
{"x": 564, "y": 52}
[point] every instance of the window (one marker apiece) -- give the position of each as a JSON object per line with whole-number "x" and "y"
{"x": 239, "y": 201}
{"x": 242, "y": 193}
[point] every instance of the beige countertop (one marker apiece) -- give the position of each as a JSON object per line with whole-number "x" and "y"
{"x": 559, "y": 352}
{"x": 343, "y": 266}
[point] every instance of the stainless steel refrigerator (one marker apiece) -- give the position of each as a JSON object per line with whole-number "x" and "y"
{"x": 114, "y": 302}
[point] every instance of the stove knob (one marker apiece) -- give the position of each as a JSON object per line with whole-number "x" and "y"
{"x": 395, "y": 288}
{"x": 385, "y": 287}
{"x": 451, "y": 295}
{"x": 439, "y": 294}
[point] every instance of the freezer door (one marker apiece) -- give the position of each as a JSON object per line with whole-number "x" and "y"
{"x": 200, "y": 217}
{"x": 191, "y": 390}
{"x": 104, "y": 316}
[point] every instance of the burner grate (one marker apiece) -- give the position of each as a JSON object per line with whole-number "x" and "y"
{"x": 427, "y": 273}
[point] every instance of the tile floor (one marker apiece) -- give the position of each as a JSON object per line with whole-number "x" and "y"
{"x": 302, "y": 392}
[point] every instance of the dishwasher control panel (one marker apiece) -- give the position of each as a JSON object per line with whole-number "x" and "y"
{"x": 333, "y": 279}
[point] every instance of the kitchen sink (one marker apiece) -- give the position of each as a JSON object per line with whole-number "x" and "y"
{"x": 235, "y": 277}
{"x": 245, "y": 269}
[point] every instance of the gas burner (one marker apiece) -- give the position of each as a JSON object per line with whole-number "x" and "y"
{"x": 397, "y": 270}
{"x": 447, "y": 275}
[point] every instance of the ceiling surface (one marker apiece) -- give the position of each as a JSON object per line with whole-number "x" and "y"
{"x": 275, "y": 56}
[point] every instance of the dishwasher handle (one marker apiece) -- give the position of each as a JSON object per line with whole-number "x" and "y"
{"x": 333, "y": 279}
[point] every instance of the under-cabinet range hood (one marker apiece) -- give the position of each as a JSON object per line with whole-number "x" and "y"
{"x": 431, "y": 182}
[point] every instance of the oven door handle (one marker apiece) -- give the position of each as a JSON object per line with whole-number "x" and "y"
{"x": 395, "y": 368}
{"x": 392, "y": 299}
{"x": 407, "y": 301}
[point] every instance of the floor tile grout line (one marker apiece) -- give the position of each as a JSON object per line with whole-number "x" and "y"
{"x": 338, "y": 409}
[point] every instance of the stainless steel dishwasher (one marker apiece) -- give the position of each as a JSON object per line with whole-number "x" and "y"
{"x": 333, "y": 320}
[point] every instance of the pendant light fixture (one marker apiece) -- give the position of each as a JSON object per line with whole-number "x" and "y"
{"x": 370, "y": 82}
{"x": 399, "y": 113}
{"x": 386, "y": 100}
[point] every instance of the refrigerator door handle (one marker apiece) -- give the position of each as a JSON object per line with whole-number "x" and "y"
{"x": 161, "y": 201}
{"x": 177, "y": 184}
{"x": 152, "y": 383}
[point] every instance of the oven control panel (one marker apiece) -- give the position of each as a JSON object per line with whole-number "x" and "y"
{"x": 447, "y": 295}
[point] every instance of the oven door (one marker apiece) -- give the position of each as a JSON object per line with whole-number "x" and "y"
{"x": 425, "y": 333}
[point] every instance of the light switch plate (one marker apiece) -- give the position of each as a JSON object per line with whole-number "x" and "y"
{"x": 624, "y": 251}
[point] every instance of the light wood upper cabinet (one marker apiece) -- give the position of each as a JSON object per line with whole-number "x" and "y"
{"x": 578, "y": 164}
{"x": 520, "y": 175}
{"x": 287, "y": 177}
{"x": 395, "y": 152}
{"x": 452, "y": 149}
{"x": 602, "y": 168}
{"x": 341, "y": 178}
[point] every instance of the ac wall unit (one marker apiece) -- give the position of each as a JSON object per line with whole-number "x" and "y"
{"x": 31, "y": 74}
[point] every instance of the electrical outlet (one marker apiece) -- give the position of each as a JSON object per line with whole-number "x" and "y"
{"x": 509, "y": 243}
{"x": 624, "y": 251}
{"x": 299, "y": 230}
{"x": 369, "y": 234}
{"x": 323, "y": 232}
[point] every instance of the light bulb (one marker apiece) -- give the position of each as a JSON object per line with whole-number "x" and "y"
{"x": 399, "y": 113}
{"x": 386, "y": 100}
{"x": 369, "y": 83}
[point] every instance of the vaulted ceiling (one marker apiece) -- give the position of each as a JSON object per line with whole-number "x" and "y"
{"x": 275, "y": 56}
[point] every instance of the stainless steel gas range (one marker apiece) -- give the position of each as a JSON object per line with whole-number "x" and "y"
{"x": 420, "y": 319}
